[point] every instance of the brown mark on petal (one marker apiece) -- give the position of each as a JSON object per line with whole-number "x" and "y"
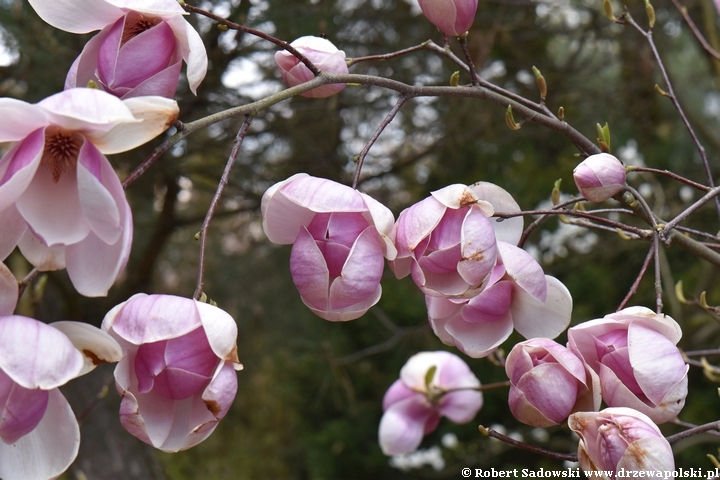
{"x": 639, "y": 454}
{"x": 477, "y": 256}
{"x": 232, "y": 356}
{"x": 61, "y": 152}
{"x": 467, "y": 198}
{"x": 213, "y": 406}
{"x": 135, "y": 25}
{"x": 93, "y": 358}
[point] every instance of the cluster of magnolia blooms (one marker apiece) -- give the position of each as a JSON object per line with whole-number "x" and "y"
{"x": 63, "y": 206}
{"x": 479, "y": 287}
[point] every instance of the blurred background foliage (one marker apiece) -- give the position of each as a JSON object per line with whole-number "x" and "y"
{"x": 309, "y": 399}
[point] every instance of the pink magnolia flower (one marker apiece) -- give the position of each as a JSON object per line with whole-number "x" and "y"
{"x": 517, "y": 296}
{"x": 431, "y": 385}
{"x": 39, "y": 435}
{"x": 452, "y": 17}
{"x": 620, "y": 439}
{"x": 177, "y": 376}
{"x": 323, "y": 54}
{"x": 60, "y": 199}
{"x": 599, "y": 177}
{"x": 140, "y": 47}
{"x": 548, "y": 382}
{"x": 339, "y": 238}
{"x": 633, "y": 353}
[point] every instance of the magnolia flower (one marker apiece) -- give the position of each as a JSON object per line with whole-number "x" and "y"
{"x": 323, "y": 54}
{"x": 140, "y": 47}
{"x": 431, "y": 385}
{"x": 620, "y": 440}
{"x": 452, "y": 17}
{"x": 599, "y": 177}
{"x": 38, "y": 431}
{"x": 447, "y": 242}
{"x": 518, "y": 296}
{"x": 177, "y": 376}
{"x": 60, "y": 199}
{"x": 339, "y": 238}
{"x": 548, "y": 382}
{"x": 633, "y": 354}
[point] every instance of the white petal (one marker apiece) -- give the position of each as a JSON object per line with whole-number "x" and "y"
{"x": 19, "y": 119}
{"x": 13, "y": 228}
{"x": 86, "y": 110}
{"x": 48, "y": 450}
{"x": 42, "y": 257}
{"x": 98, "y": 204}
{"x": 221, "y": 331}
{"x": 96, "y": 346}
{"x": 8, "y": 291}
{"x": 508, "y": 230}
{"x": 77, "y": 16}
{"x": 193, "y": 51}
{"x": 156, "y": 113}
{"x": 549, "y": 319}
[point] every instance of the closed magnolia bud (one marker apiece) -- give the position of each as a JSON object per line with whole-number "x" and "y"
{"x": 323, "y": 54}
{"x": 452, "y": 17}
{"x": 547, "y": 381}
{"x": 599, "y": 177}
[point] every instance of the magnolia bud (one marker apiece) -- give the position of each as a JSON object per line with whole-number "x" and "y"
{"x": 323, "y": 54}
{"x": 452, "y": 17}
{"x": 599, "y": 177}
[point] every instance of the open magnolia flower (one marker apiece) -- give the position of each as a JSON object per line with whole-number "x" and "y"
{"x": 633, "y": 353}
{"x": 431, "y": 385}
{"x": 339, "y": 239}
{"x": 140, "y": 47}
{"x": 60, "y": 199}
{"x": 177, "y": 375}
{"x": 39, "y": 435}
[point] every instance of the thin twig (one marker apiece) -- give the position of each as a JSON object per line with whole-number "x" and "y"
{"x": 579, "y": 213}
{"x": 27, "y": 280}
{"x": 636, "y": 284}
{"x": 670, "y": 174}
{"x": 386, "y": 121}
{"x": 658, "y": 274}
{"x": 386, "y": 56}
{"x": 712, "y": 194}
{"x": 216, "y": 198}
{"x": 708, "y": 48}
{"x": 471, "y": 66}
{"x": 626, "y": 18}
{"x": 694, "y": 431}
{"x": 571, "y": 457}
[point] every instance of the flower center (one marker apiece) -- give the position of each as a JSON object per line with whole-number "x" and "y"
{"x": 135, "y": 25}
{"x": 61, "y": 151}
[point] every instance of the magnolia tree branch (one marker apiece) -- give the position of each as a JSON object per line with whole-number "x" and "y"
{"x": 216, "y": 198}
{"x": 386, "y": 121}
{"x": 670, "y": 174}
{"x": 636, "y": 284}
{"x": 696, "y": 31}
{"x": 570, "y": 457}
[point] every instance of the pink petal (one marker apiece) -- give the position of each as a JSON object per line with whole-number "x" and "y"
{"x": 77, "y": 16}
{"x": 415, "y": 224}
{"x": 8, "y": 291}
{"x": 397, "y": 392}
{"x": 361, "y": 273}
{"x": 479, "y": 249}
{"x": 656, "y": 456}
{"x": 21, "y": 409}
{"x": 98, "y": 205}
{"x": 309, "y": 271}
{"x": 192, "y": 50}
{"x": 152, "y": 318}
{"x": 491, "y": 305}
{"x": 36, "y": 355}
{"x": 478, "y": 340}
{"x": 143, "y": 56}
{"x": 163, "y": 84}
{"x": 381, "y": 216}
{"x": 549, "y": 319}
{"x": 524, "y": 270}
{"x": 402, "y": 426}
{"x": 348, "y": 313}
{"x": 18, "y": 167}
{"x": 13, "y": 228}
{"x": 551, "y": 389}
{"x": 461, "y": 406}
{"x": 19, "y": 119}
{"x": 510, "y": 229}
{"x": 49, "y": 449}
{"x": 659, "y": 322}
